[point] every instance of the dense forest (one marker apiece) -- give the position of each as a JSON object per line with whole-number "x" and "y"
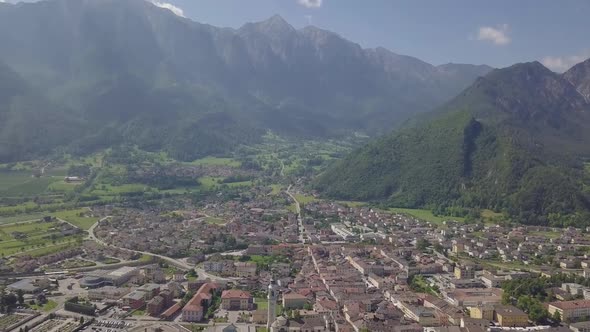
{"x": 512, "y": 143}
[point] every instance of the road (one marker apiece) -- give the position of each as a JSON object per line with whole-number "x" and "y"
{"x": 173, "y": 261}
{"x": 298, "y": 212}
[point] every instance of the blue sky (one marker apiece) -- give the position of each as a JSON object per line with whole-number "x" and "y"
{"x": 498, "y": 33}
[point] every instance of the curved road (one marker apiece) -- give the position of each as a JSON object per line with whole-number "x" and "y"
{"x": 176, "y": 262}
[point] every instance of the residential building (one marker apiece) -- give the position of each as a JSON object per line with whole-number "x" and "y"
{"x": 134, "y": 300}
{"x": 235, "y": 299}
{"x": 482, "y": 312}
{"x": 570, "y": 310}
{"x": 511, "y": 316}
{"x": 294, "y": 301}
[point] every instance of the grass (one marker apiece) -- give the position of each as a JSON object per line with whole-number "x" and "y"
{"x": 22, "y": 217}
{"x": 110, "y": 260}
{"x": 214, "y": 220}
{"x": 77, "y": 217}
{"x": 425, "y": 215}
{"x": 352, "y": 203}
{"x": 22, "y": 184}
{"x": 261, "y": 303}
{"x": 139, "y": 312}
{"x": 215, "y": 161}
{"x": 110, "y": 190}
{"x": 210, "y": 182}
{"x": 549, "y": 235}
{"x": 52, "y": 249}
{"x": 276, "y": 189}
{"x": 62, "y": 186}
{"x": 50, "y": 305}
{"x": 38, "y": 239}
{"x": 304, "y": 199}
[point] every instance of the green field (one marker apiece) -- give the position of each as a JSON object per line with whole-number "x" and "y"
{"x": 213, "y": 220}
{"x": 21, "y": 183}
{"x": 62, "y": 186}
{"x": 261, "y": 303}
{"x": 22, "y": 217}
{"x": 276, "y": 189}
{"x": 77, "y": 217}
{"x": 110, "y": 190}
{"x": 37, "y": 238}
{"x": 50, "y": 305}
{"x": 215, "y": 161}
{"x": 210, "y": 182}
{"x": 425, "y": 215}
{"x": 304, "y": 199}
{"x": 550, "y": 235}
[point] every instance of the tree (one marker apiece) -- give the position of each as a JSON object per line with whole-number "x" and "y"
{"x": 557, "y": 317}
{"x": 422, "y": 244}
{"x": 20, "y": 296}
{"x": 81, "y": 320}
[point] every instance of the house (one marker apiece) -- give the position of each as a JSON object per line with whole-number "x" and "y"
{"x": 235, "y": 299}
{"x": 107, "y": 293}
{"x": 194, "y": 310}
{"x": 482, "y": 312}
{"x": 155, "y": 306}
{"x": 570, "y": 310}
{"x": 134, "y": 300}
{"x": 245, "y": 269}
{"x": 580, "y": 327}
{"x": 511, "y": 316}
{"x": 294, "y": 301}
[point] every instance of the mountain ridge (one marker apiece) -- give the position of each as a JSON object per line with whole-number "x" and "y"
{"x": 114, "y": 64}
{"x": 514, "y": 141}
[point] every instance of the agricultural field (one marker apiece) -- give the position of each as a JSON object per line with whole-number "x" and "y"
{"x": 10, "y": 320}
{"x": 304, "y": 199}
{"x": 22, "y": 183}
{"x": 425, "y": 215}
{"x": 215, "y": 161}
{"x": 25, "y": 237}
{"x": 22, "y": 218}
{"x": 77, "y": 217}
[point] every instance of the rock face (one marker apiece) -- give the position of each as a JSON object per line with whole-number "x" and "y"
{"x": 579, "y": 76}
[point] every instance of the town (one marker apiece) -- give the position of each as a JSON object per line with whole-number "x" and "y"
{"x": 288, "y": 261}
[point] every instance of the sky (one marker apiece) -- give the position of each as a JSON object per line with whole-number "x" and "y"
{"x": 498, "y": 33}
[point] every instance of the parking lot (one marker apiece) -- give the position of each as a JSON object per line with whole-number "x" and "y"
{"x": 108, "y": 326}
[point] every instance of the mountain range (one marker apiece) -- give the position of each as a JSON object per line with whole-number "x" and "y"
{"x": 89, "y": 74}
{"x": 515, "y": 141}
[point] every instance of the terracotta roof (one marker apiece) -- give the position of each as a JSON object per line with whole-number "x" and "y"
{"x": 235, "y": 293}
{"x": 571, "y": 304}
{"x": 294, "y": 296}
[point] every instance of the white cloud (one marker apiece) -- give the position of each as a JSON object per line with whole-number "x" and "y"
{"x": 497, "y": 35}
{"x": 562, "y": 63}
{"x": 311, "y": 3}
{"x": 176, "y": 10}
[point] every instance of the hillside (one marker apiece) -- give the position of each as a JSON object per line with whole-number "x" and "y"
{"x": 29, "y": 122}
{"x": 136, "y": 73}
{"x": 514, "y": 141}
